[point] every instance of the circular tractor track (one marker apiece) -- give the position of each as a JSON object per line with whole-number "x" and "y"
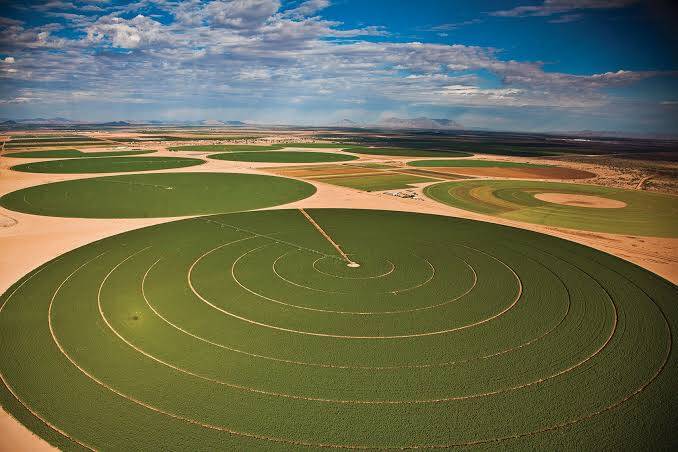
{"x": 249, "y": 330}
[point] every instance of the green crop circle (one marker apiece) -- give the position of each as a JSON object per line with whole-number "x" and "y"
{"x": 156, "y": 195}
{"x": 220, "y": 332}
{"x": 107, "y": 165}
{"x": 73, "y": 153}
{"x": 283, "y": 157}
{"x": 648, "y": 214}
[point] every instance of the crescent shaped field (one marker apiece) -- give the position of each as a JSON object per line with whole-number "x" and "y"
{"x": 107, "y": 165}
{"x": 646, "y": 214}
{"x": 156, "y": 195}
{"x": 250, "y": 331}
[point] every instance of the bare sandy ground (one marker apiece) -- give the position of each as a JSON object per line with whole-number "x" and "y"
{"x": 33, "y": 240}
{"x": 568, "y": 199}
{"x": 16, "y": 437}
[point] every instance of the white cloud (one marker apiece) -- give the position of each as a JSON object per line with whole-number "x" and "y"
{"x": 254, "y": 74}
{"x": 240, "y": 13}
{"x": 251, "y": 54}
{"x": 8, "y": 60}
{"x": 18, "y": 100}
{"x": 52, "y": 5}
{"x": 551, "y": 7}
{"x": 308, "y": 8}
{"x": 128, "y": 34}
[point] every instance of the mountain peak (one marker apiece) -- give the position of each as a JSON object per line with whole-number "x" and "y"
{"x": 420, "y": 123}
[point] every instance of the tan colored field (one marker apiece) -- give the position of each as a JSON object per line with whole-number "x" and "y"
{"x": 436, "y": 174}
{"x": 568, "y": 199}
{"x": 324, "y": 171}
{"x": 519, "y": 173}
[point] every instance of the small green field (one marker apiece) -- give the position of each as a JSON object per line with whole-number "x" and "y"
{"x": 400, "y": 152}
{"x": 156, "y": 195}
{"x": 649, "y": 214}
{"x": 248, "y": 331}
{"x": 472, "y": 164}
{"x": 283, "y": 157}
{"x": 107, "y": 165}
{"x": 224, "y": 148}
{"x": 45, "y": 143}
{"x": 375, "y": 182}
{"x": 316, "y": 145}
{"x": 71, "y": 153}
{"x": 50, "y": 139}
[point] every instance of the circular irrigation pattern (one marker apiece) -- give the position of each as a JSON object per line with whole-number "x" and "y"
{"x": 251, "y": 331}
{"x": 643, "y": 213}
{"x": 156, "y": 195}
{"x": 283, "y": 157}
{"x": 107, "y": 165}
{"x": 72, "y": 153}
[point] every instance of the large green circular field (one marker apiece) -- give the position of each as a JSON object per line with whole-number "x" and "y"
{"x": 72, "y": 153}
{"x": 156, "y": 195}
{"x": 283, "y": 157}
{"x": 249, "y": 331}
{"x": 107, "y": 165}
{"x": 575, "y": 206}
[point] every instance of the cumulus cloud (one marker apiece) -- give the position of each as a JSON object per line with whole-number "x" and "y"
{"x": 240, "y": 13}
{"x": 250, "y": 53}
{"x": 8, "y": 60}
{"x": 128, "y": 34}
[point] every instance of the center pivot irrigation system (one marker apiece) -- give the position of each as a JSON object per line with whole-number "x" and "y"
{"x": 258, "y": 330}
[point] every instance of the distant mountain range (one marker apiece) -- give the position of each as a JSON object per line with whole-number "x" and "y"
{"x": 347, "y": 123}
{"x": 55, "y": 121}
{"x": 391, "y": 123}
{"x": 421, "y": 123}
{"x": 58, "y": 121}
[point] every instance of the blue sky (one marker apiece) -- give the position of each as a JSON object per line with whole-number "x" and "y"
{"x": 553, "y": 65}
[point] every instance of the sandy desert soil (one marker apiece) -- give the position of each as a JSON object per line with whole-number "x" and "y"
{"x": 28, "y": 241}
{"x": 16, "y": 437}
{"x": 333, "y": 171}
{"x": 630, "y": 173}
{"x": 611, "y": 171}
